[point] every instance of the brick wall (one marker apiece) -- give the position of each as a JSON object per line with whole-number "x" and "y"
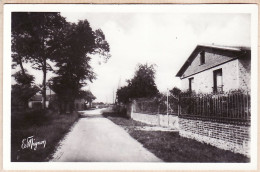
{"x": 235, "y": 138}
{"x": 173, "y": 121}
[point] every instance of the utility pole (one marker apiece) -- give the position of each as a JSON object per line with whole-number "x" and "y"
{"x": 113, "y": 96}
{"x": 119, "y": 83}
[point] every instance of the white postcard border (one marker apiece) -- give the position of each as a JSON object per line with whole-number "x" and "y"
{"x": 155, "y": 8}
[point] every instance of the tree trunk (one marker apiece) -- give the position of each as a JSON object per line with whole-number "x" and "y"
{"x": 61, "y": 106}
{"x": 44, "y": 85}
{"x": 21, "y": 66}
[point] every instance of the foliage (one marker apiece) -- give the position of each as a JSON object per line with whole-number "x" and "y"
{"x": 141, "y": 85}
{"x": 101, "y": 45}
{"x": 78, "y": 43}
{"x": 22, "y": 93}
{"x": 243, "y": 91}
{"x": 43, "y": 125}
{"x": 39, "y": 38}
{"x": 23, "y": 79}
{"x": 34, "y": 38}
{"x": 123, "y": 94}
{"x": 23, "y": 90}
{"x": 64, "y": 88}
{"x": 87, "y": 95}
{"x": 189, "y": 93}
{"x": 175, "y": 91}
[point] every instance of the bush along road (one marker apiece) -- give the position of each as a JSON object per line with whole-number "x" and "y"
{"x": 35, "y": 133}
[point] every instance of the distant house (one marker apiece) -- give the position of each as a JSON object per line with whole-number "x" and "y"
{"x": 216, "y": 69}
{"x": 98, "y": 105}
{"x": 37, "y": 100}
{"x": 79, "y": 104}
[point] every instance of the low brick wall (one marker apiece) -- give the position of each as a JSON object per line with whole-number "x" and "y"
{"x": 158, "y": 120}
{"x": 235, "y": 138}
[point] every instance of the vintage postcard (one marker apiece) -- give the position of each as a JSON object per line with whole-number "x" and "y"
{"x": 130, "y": 86}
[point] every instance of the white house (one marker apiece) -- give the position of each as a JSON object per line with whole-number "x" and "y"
{"x": 212, "y": 68}
{"x": 37, "y": 100}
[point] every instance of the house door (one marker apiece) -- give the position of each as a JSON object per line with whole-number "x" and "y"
{"x": 218, "y": 81}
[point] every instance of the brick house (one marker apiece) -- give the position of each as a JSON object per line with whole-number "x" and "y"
{"x": 212, "y": 68}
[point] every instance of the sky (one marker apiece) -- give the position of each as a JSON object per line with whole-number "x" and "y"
{"x": 164, "y": 39}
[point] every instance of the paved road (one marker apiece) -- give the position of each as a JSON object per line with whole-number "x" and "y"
{"x": 97, "y": 139}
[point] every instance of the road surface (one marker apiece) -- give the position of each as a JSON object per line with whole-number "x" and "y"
{"x": 97, "y": 139}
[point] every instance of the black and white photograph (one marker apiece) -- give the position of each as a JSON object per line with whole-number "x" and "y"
{"x": 130, "y": 86}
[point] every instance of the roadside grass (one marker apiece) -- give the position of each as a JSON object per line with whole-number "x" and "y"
{"x": 171, "y": 147}
{"x": 42, "y": 125}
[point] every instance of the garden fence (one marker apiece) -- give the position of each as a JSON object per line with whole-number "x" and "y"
{"x": 157, "y": 105}
{"x": 226, "y": 107}
{"x": 234, "y": 107}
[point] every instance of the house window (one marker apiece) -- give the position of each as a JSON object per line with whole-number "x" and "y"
{"x": 202, "y": 57}
{"x": 217, "y": 81}
{"x": 191, "y": 81}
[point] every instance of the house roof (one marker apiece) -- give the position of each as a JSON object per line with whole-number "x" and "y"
{"x": 231, "y": 51}
{"x": 36, "y": 98}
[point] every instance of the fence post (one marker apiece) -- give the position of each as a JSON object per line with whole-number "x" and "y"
{"x": 227, "y": 100}
{"x": 247, "y": 104}
{"x": 132, "y": 109}
{"x": 158, "y": 115}
{"x": 168, "y": 106}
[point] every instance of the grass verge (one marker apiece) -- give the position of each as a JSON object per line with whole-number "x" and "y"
{"x": 44, "y": 126}
{"x": 171, "y": 147}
